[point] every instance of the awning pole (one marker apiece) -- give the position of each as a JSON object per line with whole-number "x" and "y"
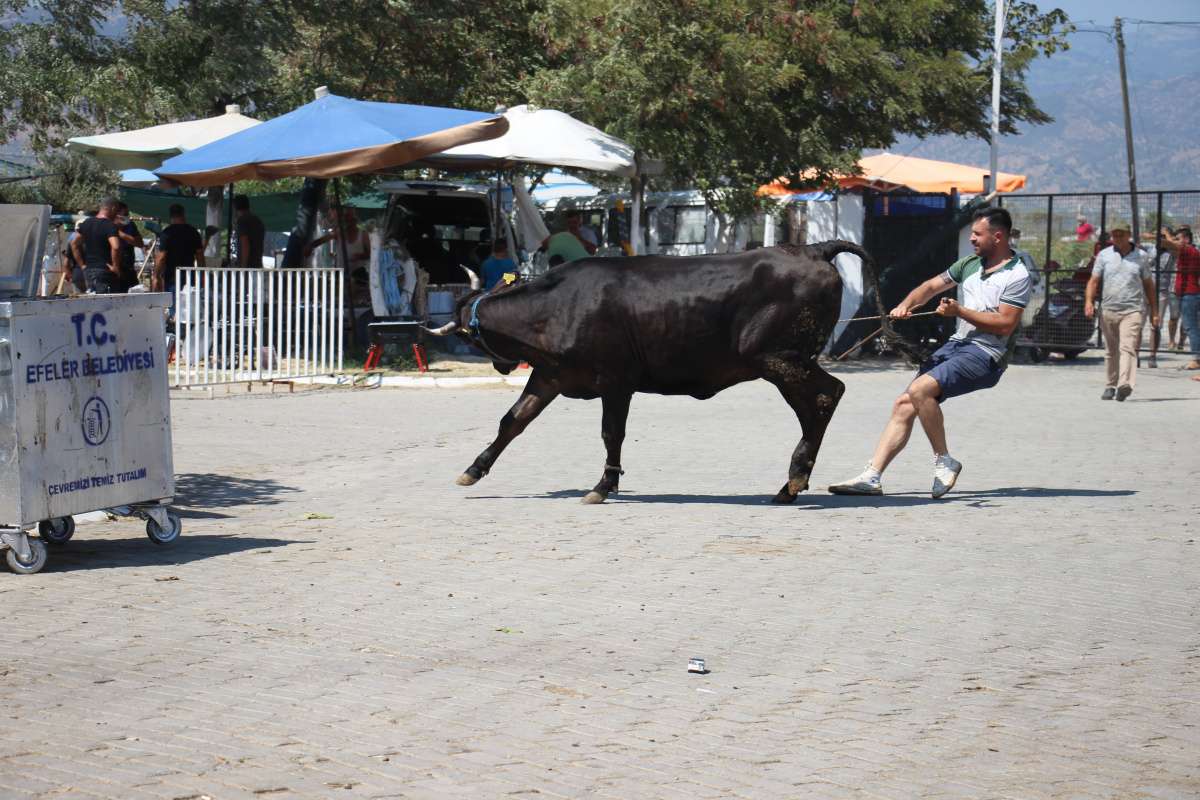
{"x": 229, "y": 248}
{"x": 346, "y": 276}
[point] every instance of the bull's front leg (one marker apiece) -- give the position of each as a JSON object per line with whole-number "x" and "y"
{"x": 537, "y": 395}
{"x": 813, "y": 394}
{"x": 612, "y": 430}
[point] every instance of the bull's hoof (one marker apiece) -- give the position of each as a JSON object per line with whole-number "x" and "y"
{"x": 593, "y": 497}
{"x": 467, "y": 479}
{"x": 796, "y": 485}
{"x": 784, "y": 497}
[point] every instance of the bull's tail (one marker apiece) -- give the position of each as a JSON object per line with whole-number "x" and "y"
{"x": 827, "y": 251}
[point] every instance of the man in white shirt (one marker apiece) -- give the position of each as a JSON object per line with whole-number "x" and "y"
{"x": 1123, "y": 276}
{"x": 995, "y": 289}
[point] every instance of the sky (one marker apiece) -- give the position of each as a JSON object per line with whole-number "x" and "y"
{"x": 1105, "y": 11}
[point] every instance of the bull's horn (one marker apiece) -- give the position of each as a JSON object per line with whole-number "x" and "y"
{"x": 445, "y": 330}
{"x": 476, "y": 284}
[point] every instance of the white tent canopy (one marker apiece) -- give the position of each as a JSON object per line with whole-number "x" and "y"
{"x": 147, "y": 148}
{"x": 547, "y": 137}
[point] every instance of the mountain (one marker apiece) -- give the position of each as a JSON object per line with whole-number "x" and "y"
{"x": 1084, "y": 148}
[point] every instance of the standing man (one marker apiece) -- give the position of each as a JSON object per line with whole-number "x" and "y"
{"x": 1187, "y": 286}
{"x": 71, "y": 268}
{"x": 98, "y": 249}
{"x": 1128, "y": 285}
{"x": 179, "y": 245}
{"x": 250, "y": 234}
{"x": 995, "y": 288}
{"x": 586, "y": 236}
{"x": 130, "y": 238}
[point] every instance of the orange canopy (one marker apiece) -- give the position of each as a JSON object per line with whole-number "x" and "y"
{"x": 887, "y": 171}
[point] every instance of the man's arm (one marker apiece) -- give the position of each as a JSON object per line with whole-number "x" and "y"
{"x": 199, "y": 257}
{"x": 1168, "y": 242}
{"x": 1152, "y": 297}
{"x": 1001, "y": 322}
{"x": 921, "y": 295}
{"x": 76, "y": 246}
{"x": 160, "y": 271}
{"x": 114, "y": 261}
{"x": 1089, "y": 296}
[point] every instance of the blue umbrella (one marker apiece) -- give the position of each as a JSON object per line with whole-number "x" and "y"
{"x": 332, "y": 136}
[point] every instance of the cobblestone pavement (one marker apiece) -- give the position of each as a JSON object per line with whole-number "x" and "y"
{"x": 341, "y": 620}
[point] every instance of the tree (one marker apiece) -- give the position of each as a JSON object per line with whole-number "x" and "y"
{"x": 69, "y": 67}
{"x": 69, "y": 182}
{"x": 732, "y": 94}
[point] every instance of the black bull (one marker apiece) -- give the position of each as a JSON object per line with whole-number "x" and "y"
{"x": 609, "y": 327}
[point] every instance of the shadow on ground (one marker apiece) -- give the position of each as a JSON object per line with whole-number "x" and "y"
{"x": 82, "y": 553}
{"x": 197, "y": 492}
{"x": 819, "y": 500}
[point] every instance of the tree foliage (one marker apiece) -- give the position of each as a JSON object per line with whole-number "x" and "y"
{"x": 734, "y": 93}
{"x": 69, "y": 182}
{"x": 729, "y": 94}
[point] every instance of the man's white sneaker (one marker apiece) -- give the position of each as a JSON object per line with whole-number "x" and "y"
{"x": 868, "y": 482}
{"x": 945, "y": 473}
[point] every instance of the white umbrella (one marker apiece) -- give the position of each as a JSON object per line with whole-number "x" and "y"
{"x": 547, "y": 137}
{"x": 148, "y": 148}
{"x": 551, "y": 138}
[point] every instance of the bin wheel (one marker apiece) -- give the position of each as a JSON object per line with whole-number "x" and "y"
{"x": 159, "y": 535}
{"x": 37, "y": 558}
{"x": 58, "y": 530}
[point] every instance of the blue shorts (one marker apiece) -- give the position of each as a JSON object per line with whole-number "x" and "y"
{"x": 960, "y": 367}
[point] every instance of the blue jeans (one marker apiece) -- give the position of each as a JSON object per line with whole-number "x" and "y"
{"x": 1189, "y": 311}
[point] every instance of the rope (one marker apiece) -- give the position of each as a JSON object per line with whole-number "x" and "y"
{"x": 881, "y": 316}
{"x": 860, "y": 343}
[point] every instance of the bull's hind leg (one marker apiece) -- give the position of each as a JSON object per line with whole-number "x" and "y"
{"x": 612, "y": 430}
{"x": 813, "y": 394}
{"x": 537, "y": 395}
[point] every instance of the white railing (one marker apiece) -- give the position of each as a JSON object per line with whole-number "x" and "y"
{"x": 240, "y": 325}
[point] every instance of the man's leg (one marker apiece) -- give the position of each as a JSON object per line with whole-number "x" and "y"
{"x": 1189, "y": 318}
{"x": 891, "y": 442}
{"x": 1110, "y": 328}
{"x": 1130, "y": 327}
{"x": 923, "y": 394}
{"x": 895, "y": 433}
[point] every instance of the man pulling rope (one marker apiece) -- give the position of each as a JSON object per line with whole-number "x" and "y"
{"x": 996, "y": 287}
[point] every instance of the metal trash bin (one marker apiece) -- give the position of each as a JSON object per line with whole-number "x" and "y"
{"x": 85, "y": 421}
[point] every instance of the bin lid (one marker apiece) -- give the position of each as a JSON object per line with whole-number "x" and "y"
{"x": 23, "y": 231}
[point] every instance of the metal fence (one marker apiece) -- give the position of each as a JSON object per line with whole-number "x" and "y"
{"x": 1050, "y": 226}
{"x": 240, "y": 325}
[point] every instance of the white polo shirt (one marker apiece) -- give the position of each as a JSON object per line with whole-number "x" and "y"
{"x": 1008, "y": 284}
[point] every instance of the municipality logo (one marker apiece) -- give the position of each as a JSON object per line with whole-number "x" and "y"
{"x": 97, "y": 421}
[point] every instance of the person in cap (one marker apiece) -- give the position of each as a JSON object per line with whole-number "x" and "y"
{"x": 1125, "y": 283}
{"x": 995, "y": 286}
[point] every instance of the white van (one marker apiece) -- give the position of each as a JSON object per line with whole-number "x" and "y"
{"x": 430, "y": 231}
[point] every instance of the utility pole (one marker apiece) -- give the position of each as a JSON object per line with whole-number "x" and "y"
{"x": 997, "y": 54}
{"x": 1133, "y": 196}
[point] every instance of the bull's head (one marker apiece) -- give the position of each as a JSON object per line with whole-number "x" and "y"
{"x": 461, "y": 324}
{"x": 455, "y": 325}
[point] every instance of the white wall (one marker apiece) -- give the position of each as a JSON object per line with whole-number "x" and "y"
{"x": 842, "y": 219}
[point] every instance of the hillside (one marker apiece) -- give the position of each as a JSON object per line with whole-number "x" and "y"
{"x": 1084, "y": 148}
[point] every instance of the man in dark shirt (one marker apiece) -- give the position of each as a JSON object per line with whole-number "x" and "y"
{"x": 179, "y": 245}
{"x": 250, "y": 234}
{"x": 70, "y": 267}
{"x": 130, "y": 238}
{"x": 98, "y": 248}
